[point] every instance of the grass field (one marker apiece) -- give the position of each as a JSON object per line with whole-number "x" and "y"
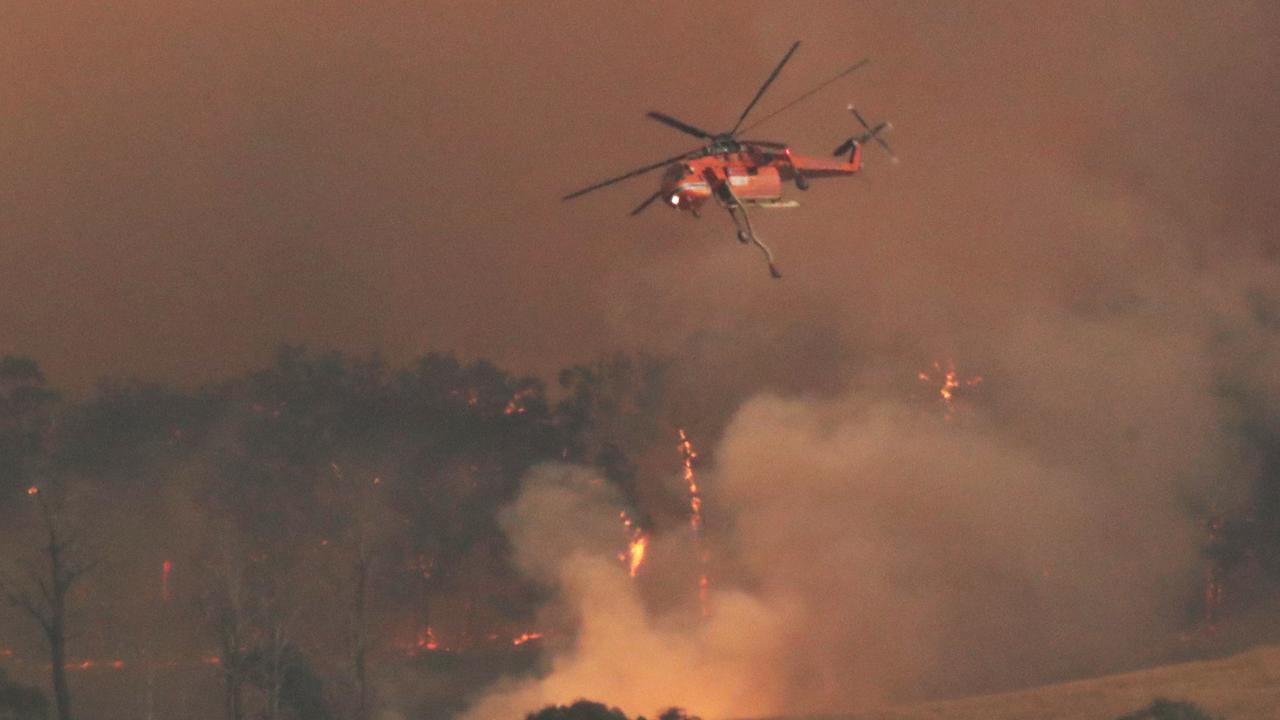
{"x": 1241, "y": 687}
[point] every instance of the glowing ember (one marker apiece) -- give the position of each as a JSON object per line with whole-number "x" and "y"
{"x": 635, "y": 553}
{"x": 687, "y": 455}
{"x": 33, "y": 490}
{"x": 636, "y": 546}
{"x": 1214, "y": 590}
{"x": 165, "y": 568}
{"x": 695, "y": 498}
{"x": 950, "y": 382}
{"x": 526, "y": 637}
{"x": 428, "y": 640}
{"x": 516, "y": 405}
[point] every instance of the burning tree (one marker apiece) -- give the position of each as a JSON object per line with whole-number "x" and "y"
{"x": 46, "y": 592}
{"x": 297, "y": 565}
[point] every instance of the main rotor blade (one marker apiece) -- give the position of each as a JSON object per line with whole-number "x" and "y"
{"x": 681, "y": 126}
{"x": 808, "y": 94}
{"x": 764, "y": 87}
{"x": 884, "y": 144}
{"x": 858, "y": 115}
{"x": 633, "y": 173}
{"x": 648, "y": 201}
{"x": 765, "y": 143}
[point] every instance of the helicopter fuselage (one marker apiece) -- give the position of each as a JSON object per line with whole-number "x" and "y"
{"x": 748, "y": 176}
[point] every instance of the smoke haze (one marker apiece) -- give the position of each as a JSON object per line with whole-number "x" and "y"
{"x": 190, "y": 186}
{"x": 1084, "y": 215}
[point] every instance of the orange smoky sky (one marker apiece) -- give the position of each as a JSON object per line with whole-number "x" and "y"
{"x": 186, "y": 185}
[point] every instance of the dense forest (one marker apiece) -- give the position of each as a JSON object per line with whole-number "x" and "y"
{"x": 294, "y": 532}
{"x": 325, "y": 536}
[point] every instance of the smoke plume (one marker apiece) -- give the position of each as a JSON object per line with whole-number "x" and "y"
{"x": 883, "y": 545}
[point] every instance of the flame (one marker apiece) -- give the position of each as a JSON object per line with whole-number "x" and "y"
{"x": 950, "y": 382}
{"x": 526, "y": 637}
{"x": 635, "y": 552}
{"x": 687, "y": 454}
{"x": 33, "y": 490}
{"x": 427, "y": 641}
{"x": 516, "y": 405}
{"x": 636, "y": 546}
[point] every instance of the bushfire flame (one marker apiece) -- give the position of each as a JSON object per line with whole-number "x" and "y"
{"x": 950, "y": 382}
{"x": 526, "y": 637}
{"x": 635, "y": 553}
{"x": 636, "y": 546}
{"x": 516, "y": 405}
{"x": 687, "y": 454}
{"x": 427, "y": 641}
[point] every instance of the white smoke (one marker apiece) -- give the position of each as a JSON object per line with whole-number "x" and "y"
{"x": 874, "y": 551}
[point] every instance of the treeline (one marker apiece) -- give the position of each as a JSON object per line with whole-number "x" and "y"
{"x": 590, "y": 710}
{"x": 300, "y": 529}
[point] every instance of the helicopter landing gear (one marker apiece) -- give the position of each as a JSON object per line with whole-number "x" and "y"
{"x": 746, "y": 234}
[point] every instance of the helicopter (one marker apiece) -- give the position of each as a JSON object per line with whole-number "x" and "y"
{"x": 742, "y": 173}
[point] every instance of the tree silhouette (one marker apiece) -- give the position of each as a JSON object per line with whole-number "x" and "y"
{"x": 45, "y": 593}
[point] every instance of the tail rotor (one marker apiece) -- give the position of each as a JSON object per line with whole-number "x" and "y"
{"x": 871, "y": 133}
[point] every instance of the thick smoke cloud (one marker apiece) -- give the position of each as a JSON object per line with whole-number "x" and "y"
{"x": 565, "y": 531}
{"x": 1083, "y": 215}
{"x": 879, "y": 547}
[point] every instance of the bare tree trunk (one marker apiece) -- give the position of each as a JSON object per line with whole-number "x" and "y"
{"x": 149, "y": 693}
{"x": 47, "y": 602}
{"x": 58, "y": 659}
{"x": 227, "y": 611}
{"x": 231, "y": 696}
{"x": 361, "y": 635}
{"x": 276, "y": 683}
{"x": 360, "y": 497}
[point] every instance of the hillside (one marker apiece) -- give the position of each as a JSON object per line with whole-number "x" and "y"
{"x": 1241, "y": 687}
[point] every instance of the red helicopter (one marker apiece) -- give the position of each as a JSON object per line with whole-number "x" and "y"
{"x": 741, "y": 173}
